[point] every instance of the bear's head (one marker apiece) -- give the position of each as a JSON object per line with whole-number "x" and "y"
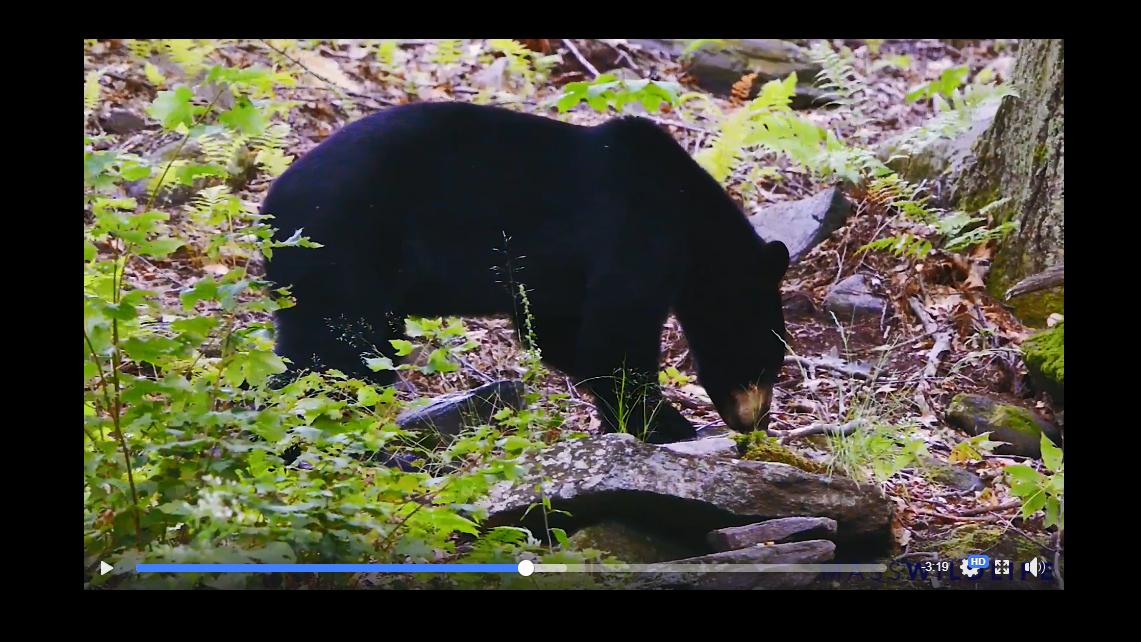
{"x": 745, "y": 361}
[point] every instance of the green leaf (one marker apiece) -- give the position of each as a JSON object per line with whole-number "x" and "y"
{"x": 403, "y": 347}
{"x": 150, "y": 349}
{"x": 1034, "y": 504}
{"x": 89, "y": 250}
{"x": 204, "y": 290}
{"x": 244, "y": 117}
{"x": 195, "y": 328}
{"x": 173, "y": 108}
{"x": 132, "y": 171}
{"x": 367, "y": 396}
{"x": 414, "y": 327}
{"x": 376, "y": 364}
{"x": 1022, "y": 478}
{"x": 446, "y": 522}
{"x": 1051, "y": 454}
{"x": 561, "y": 537}
{"x": 438, "y": 362}
{"x": 258, "y": 365}
{"x": 516, "y": 443}
{"x": 185, "y": 174}
{"x": 160, "y": 247}
{"x": 154, "y": 76}
{"x": 1053, "y": 509}
{"x": 273, "y": 161}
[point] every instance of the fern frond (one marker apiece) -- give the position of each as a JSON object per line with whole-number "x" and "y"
{"x": 387, "y": 51}
{"x": 741, "y": 88}
{"x": 955, "y": 117}
{"x": 518, "y": 56}
{"x": 91, "y": 90}
{"x": 272, "y": 138}
{"x": 274, "y": 161}
{"x": 838, "y": 75}
{"x": 448, "y": 51}
{"x": 208, "y": 200}
{"x": 141, "y": 48}
{"x": 727, "y": 147}
{"x": 902, "y": 245}
{"x": 189, "y": 54}
{"x": 980, "y": 235}
{"x": 222, "y": 147}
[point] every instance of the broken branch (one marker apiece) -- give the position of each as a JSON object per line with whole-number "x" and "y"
{"x": 581, "y": 59}
{"x": 1044, "y": 280}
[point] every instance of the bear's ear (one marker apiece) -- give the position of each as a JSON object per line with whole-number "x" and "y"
{"x": 775, "y": 260}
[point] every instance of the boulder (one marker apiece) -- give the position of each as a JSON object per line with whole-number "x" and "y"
{"x": 940, "y": 162}
{"x": 616, "y": 476}
{"x": 1021, "y": 427}
{"x": 804, "y": 223}
{"x": 1045, "y": 354}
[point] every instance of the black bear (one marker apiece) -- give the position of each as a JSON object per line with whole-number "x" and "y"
{"x": 439, "y": 209}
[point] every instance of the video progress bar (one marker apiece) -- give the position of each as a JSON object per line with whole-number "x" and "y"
{"x": 524, "y": 568}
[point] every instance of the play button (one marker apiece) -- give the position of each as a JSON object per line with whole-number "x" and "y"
{"x": 105, "y": 568}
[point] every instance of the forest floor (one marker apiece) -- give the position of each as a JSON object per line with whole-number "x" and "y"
{"x": 344, "y": 81}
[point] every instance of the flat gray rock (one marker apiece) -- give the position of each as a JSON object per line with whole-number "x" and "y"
{"x": 122, "y": 121}
{"x": 449, "y": 414}
{"x": 811, "y": 552}
{"x": 802, "y": 224}
{"x": 711, "y": 447}
{"x": 853, "y": 298}
{"x": 787, "y": 529}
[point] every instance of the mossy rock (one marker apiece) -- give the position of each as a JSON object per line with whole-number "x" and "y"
{"x": 629, "y": 544}
{"x": 1020, "y": 427}
{"x": 1044, "y": 354}
{"x": 759, "y": 446}
{"x": 951, "y": 475}
{"x": 1007, "y": 269}
{"x": 993, "y": 540}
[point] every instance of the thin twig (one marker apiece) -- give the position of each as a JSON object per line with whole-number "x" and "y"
{"x": 979, "y": 510}
{"x": 838, "y": 430}
{"x": 622, "y": 55}
{"x": 896, "y": 346}
{"x": 942, "y": 339}
{"x": 486, "y": 377}
{"x": 860, "y": 371}
{"x": 955, "y": 518}
{"x": 380, "y": 102}
{"x": 582, "y": 60}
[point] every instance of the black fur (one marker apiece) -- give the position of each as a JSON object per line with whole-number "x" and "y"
{"x": 445, "y": 208}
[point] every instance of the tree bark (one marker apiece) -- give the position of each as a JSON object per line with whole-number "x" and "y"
{"x": 1021, "y": 157}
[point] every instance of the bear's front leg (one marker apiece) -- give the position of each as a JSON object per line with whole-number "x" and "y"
{"x": 618, "y": 353}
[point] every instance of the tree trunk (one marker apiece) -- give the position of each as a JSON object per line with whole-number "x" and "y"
{"x": 1020, "y": 157}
